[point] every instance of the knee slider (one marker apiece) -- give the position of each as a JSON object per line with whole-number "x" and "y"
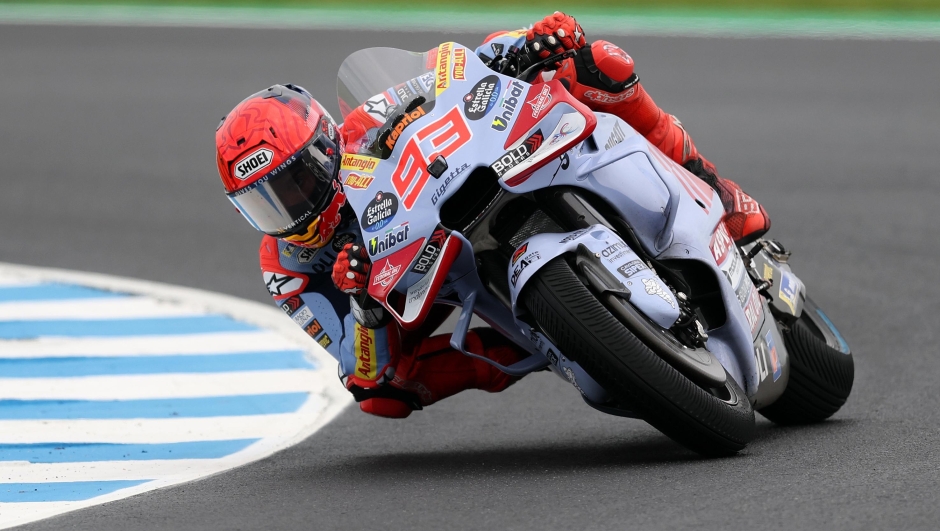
{"x": 385, "y": 407}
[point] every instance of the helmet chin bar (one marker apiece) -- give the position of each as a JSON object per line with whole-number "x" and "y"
{"x": 310, "y": 238}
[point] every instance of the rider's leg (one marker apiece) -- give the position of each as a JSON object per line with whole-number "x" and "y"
{"x": 430, "y": 370}
{"x": 602, "y": 77}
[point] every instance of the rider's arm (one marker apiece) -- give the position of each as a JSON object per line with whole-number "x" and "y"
{"x": 299, "y": 280}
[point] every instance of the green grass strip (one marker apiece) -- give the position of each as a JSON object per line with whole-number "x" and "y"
{"x": 724, "y": 23}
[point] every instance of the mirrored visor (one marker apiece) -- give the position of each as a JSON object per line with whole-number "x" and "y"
{"x": 292, "y": 195}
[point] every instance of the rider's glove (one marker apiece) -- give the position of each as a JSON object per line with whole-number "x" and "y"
{"x": 351, "y": 270}
{"x": 553, "y": 35}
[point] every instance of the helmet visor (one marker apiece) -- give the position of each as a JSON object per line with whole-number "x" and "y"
{"x": 293, "y": 193}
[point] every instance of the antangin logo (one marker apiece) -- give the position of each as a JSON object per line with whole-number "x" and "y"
{"x": 365, "y": 352}
{"x": 443, "y": 67}
{"x": 359, "y": 163}
{"x": 253, "y": 163}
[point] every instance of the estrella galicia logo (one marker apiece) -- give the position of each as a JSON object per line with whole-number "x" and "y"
{"x": 482, "y": 98}
{"x": 379, "y": 212}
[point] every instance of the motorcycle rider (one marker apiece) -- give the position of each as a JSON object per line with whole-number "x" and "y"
{"x": 279, "y": 153}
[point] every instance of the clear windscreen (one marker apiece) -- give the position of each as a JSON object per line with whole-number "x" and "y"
{"x": 372, "y": 71}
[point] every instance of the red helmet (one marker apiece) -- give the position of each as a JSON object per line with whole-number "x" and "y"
{"x": 279, "y": 153}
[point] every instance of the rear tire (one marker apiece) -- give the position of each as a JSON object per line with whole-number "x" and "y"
{"x": 716, "y": 422}
{"x": 821, "y": 376}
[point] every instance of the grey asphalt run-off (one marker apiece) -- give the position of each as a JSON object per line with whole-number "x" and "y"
{"x": 106, "y": 165}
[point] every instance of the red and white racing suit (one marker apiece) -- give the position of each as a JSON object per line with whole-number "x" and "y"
{"x": 392, "y": 372}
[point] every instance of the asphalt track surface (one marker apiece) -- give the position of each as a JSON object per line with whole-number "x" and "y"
{"x": 106, "y": 165}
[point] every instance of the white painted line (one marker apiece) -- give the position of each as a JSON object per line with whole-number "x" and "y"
{"x": 129, "y": 431}
{"x": 275, "y": 431}
{"x": 216, "y": 343}
{"x": 22, "y": 472}
{"x": 106, "y": 308}
{"x": 130, "y": 387}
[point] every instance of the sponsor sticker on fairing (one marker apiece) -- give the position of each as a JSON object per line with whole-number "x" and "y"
{"x": 541, "y": 101}
{"x": 508, "y": 105}
{"x": 460, "y": 63}
{"x": 358, "y": 182}
{"x": 256, "y": 161}
{"x": 631, "y": 268}
{"x": 379, "y": 212}
{"x": 359, "y": 163}
{"x": 442, "y": 78}
{"x": 482, "y": 98}
{"x": 302, "y": 316}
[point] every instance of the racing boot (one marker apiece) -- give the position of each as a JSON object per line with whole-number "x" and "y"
{"x": 601, "y": 76}
{"x": 745, "y": 219}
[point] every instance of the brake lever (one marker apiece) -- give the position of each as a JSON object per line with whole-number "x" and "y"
{"x": 538, "y": 65}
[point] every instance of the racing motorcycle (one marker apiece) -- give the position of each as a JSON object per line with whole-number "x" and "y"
{"x": 569, "y": 233}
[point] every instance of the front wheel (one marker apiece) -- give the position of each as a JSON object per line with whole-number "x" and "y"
{"x": 821, "y": 371}
{"x": 713, "y": 422}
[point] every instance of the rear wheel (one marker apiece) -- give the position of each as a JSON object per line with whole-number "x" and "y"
{"x": 712, "y": 422}
{"x": 821, "y": 371}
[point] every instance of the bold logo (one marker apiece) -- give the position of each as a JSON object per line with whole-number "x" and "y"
{"x": 460, "y": 63}
{"x": 516, "y": 156}
{"x": 482, "y": 98}
{"x": 379, "y": 212}
{"x": 253, "y": 163}
{"x": 359, "y": 163}
{"x": 444, "y": 137}
{"x": 365, "y": 352}
{"x": 497, "y": 49}
{"x": 442, "y": 79}
{"x": 390, "y": 239}
{"x": 407, "y": 119}
{"x": 386, "y": 275}
{"x": 430, "y": 252}
{"x": 616, "y": 136}
{"x": 291, "y": 305}
{"x": 631, "y": 268}
{"x": 288, "y": 250}
{"x": 508, "y": 106}
{"x": 541, "y": 101}
{"x": 279, "y": 284}
{"x": 534, "y": 141}
{"x": 519, "y": 252}
{"x": 359, "y": 182}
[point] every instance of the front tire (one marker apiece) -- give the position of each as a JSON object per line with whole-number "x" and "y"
{"x": 821, "y": 371}
{"x": 712, "y": 422}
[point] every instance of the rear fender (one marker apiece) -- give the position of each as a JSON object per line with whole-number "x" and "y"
{"x": 644, "y": 289}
